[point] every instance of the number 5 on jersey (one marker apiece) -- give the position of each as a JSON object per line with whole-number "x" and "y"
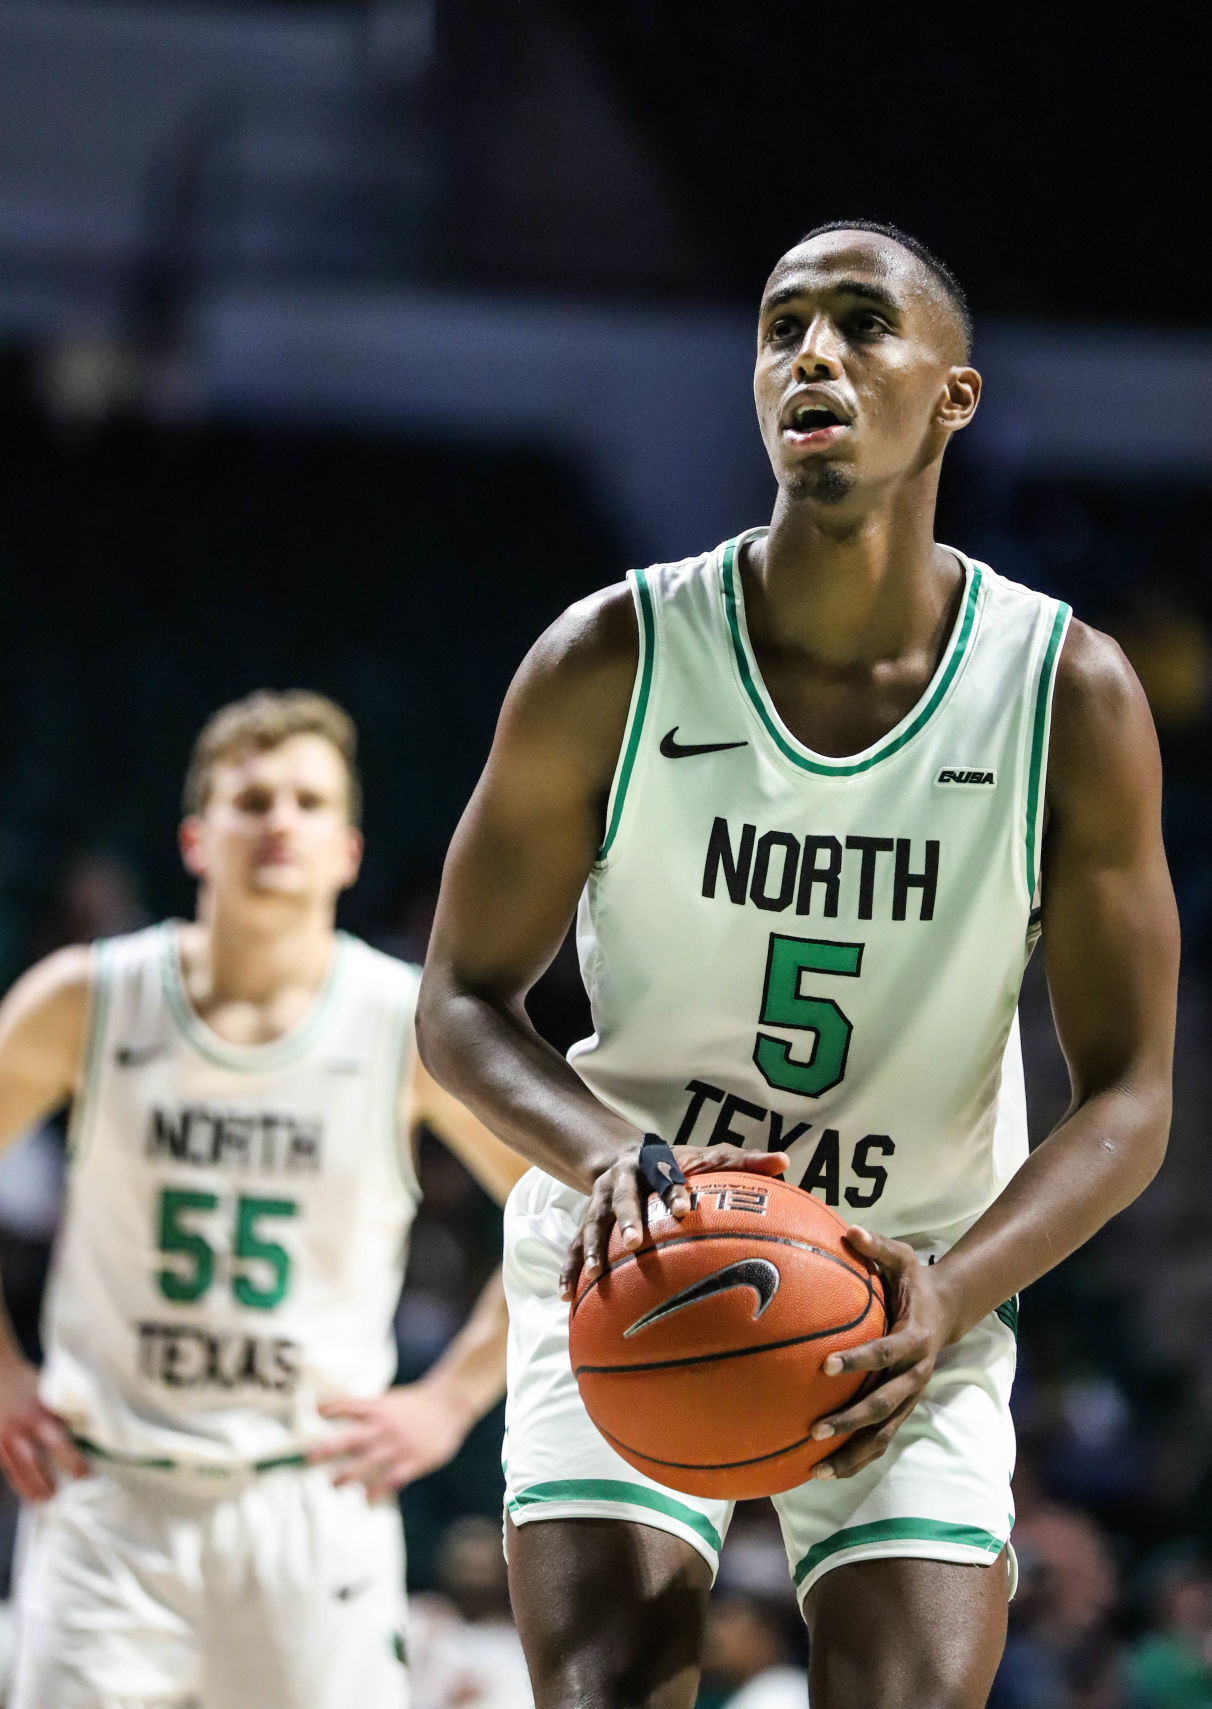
{"x": 181, "y": 1238}
{"x": 785, "y": 1005}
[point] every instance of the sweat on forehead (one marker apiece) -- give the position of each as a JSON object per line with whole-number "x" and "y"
{"x": 898, "y": 267}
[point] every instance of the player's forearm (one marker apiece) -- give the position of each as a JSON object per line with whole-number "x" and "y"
{"x": 11, "y": 1354}
{"x": 489, "y": 1056}
{"x": 470, "y": 1375}
{"x": 1090, "y": 1168}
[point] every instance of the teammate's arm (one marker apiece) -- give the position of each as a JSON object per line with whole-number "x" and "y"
{"x": 494, "y": 1165}
{"x": 397, "y": 1437}
{"x": 1110, "y": 934}
{"x": 43, "y": 1021}
{"x": 518, "y": 862}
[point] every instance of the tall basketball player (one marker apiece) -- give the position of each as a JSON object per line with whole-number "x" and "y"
{"x": 241, "y": 1187}
{"x": 818, "y": 792}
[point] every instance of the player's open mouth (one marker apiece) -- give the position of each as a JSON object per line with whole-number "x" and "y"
{"x": 813, "y": 424}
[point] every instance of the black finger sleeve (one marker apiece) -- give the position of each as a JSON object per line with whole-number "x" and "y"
{"x": 658, "y": 1166}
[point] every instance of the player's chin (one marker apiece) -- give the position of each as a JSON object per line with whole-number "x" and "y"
{"x": 817, "y": 479}
{"x": 278, "y": 879}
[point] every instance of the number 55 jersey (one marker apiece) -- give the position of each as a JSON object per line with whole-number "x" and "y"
{"x": 823, "y": 955}
{"x": 236, "y": 1218}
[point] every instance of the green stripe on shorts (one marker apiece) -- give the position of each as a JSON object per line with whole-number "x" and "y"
{"x": 899, "y": 1531}
{"x": 616, "y": 1489}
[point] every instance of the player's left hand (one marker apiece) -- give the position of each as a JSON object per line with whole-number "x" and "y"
{"x": 394, "y": 1438}
{"x": 918, "y": 1330}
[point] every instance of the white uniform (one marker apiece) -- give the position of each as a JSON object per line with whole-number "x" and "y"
{"x": 819, "y": 956}
{"x": 230, "y": 1257}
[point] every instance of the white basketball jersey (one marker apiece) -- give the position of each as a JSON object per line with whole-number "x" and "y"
{"x": 236, "y": 1219}
{"x": 823, "y": 956}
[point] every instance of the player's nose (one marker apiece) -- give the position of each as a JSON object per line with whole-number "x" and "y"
{"x": 283, "y": 813}
{"x": 819, "y": 354}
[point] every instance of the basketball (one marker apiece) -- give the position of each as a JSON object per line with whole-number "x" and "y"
{"x": 699, "y": 1355}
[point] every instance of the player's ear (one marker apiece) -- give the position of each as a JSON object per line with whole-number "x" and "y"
{"x": 192, "y": 845}
{"x": 961, "y": 394}
{"x": 353, "y": 857}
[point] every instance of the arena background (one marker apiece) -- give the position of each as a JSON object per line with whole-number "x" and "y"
{"x": 342, "y": 345}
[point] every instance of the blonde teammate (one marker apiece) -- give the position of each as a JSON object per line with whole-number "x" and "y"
{"x": 211, "y": 1446}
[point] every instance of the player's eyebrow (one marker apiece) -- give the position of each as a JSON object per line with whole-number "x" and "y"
{"x": 842, "y": 287}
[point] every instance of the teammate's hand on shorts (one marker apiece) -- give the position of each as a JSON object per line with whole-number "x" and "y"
{"x": 394, "y": 1438}
{"x": 620, "y": 1194}
{"x": 35, "y": 1447}
{"x": 918, "y": 1330}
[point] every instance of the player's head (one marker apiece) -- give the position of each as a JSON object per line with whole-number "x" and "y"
{"x": 864, "y": 364}
{"x": 272, "y": 800}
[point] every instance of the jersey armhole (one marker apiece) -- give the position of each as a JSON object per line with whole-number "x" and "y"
{"x": 84, "y": 1104}
{"x": 640, "y": 695}
{"x": 1037, "y": 765}
{"x": 403, "y": 1135}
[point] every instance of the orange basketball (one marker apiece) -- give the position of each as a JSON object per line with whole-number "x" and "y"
{"x": 699, "y": 1355}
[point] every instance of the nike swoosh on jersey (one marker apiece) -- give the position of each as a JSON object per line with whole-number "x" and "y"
{"x": 756, "y": 1273}
{"x": 682, "y": 750}
{"x": 135, "y": 1055}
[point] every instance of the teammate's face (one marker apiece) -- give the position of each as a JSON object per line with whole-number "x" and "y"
{"x": 276, "y": 824}
{"x": 861, "y": 375}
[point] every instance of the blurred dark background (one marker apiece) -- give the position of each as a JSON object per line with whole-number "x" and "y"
{"x": 342, "y": 345}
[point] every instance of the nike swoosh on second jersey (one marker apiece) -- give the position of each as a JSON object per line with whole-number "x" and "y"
{"x": 682, "y": 750}
{"x": 756, "y": 1273}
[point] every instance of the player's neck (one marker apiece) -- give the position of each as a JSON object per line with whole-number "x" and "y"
{"x": 848, "y": 591}
{"x": 256, "y": 957}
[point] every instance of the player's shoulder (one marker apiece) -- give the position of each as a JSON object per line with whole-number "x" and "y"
{"x": 596, "y": 634}
{"x": 377, "y": 976}
{"x": 595, "y": 642}
{"x": 1093, "y": 672}
{"x": 1097, "y": 701}
{"x": 1101, "y": 724}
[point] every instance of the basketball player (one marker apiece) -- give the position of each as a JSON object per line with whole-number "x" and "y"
{"x": 818, "y": 791}
{"x": 239, "y": 1196}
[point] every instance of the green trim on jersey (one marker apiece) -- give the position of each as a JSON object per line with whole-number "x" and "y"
{"x": 754, "y": 688}
{"x": 1043, "y": 703}
{"x": 160, "y": 1463}
{"x": 85, "y": 1102}
{"x": 639, "y": 706}
{"x": 247, "y": 1059}
{"x": 618, "y": 1490}
{"x": 1008, "y": 1312}
{"x": 898, "y": 1531}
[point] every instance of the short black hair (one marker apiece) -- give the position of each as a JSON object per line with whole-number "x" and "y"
{"x": 946, "y": 278}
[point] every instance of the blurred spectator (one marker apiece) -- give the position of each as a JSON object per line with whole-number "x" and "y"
{"x": 748, "y": 1661}
{"x": 1171, "y": 1667}
{"x": 98, "y": 896}
{"x": 1062, "y": 1650}
{"x": 463, "y": 1649}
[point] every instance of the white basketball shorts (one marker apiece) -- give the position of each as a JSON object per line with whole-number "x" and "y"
{"x": 149, "y": 1589}
{"x": 941, "y": 1492}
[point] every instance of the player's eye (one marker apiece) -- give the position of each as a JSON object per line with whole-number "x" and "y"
{"x": 254, "y": 801}
{"x": 780, "y": 330}
{"x": 867, "y": 324}
{"x": 309, "y": 801}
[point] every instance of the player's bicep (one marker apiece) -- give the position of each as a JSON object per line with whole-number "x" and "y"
{"x": 1109, "y": 920}
{"x": 43, "y": 1025}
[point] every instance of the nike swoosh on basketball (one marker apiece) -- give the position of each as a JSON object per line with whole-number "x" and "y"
{"x": 683, "y": 750}
{"x": 756, "y": 1273}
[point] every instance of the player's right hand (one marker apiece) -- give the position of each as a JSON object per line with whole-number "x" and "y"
{"x": 35, "y": 1447}
{"x": 620, "y": 1195}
